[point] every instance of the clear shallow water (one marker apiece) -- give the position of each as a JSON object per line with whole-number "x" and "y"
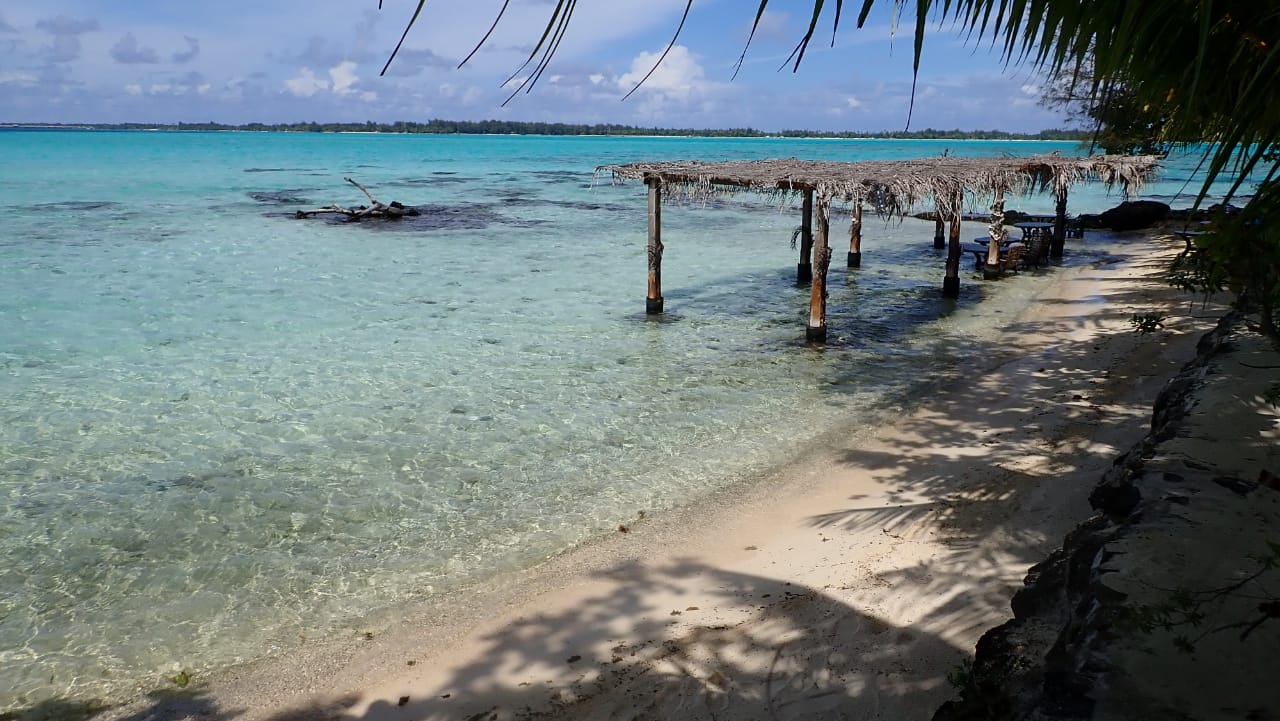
{"x": 224, "y": 429}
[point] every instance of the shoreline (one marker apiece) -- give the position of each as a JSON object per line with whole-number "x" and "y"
{"x": 549, "y": 128}
{"x": 859, "y": 577}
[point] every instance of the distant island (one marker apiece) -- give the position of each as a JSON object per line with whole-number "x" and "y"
{"x": 516, "y": 127}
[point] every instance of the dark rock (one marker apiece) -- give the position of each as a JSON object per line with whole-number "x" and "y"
{"x": 288, "y": 196}
{"x": 1134, "y": 215}
{"x": 1050, "y": 660}
{"x": 1089, "y": 220}
{"x": 1238, "y": 486}
{"x": 1116, "y": 495}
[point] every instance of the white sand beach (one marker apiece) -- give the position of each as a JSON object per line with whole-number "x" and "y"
{"x": 847, "y": 587}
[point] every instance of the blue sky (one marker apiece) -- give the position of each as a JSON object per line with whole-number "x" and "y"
{"x": 238, "y": 61}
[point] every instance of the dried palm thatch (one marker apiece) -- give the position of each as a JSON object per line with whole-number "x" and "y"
{"x": 891, "y": 187}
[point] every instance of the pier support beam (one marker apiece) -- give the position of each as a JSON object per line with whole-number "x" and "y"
{"x": 653, "y": 301}
{"x": 996, "y": 235}
{"x": 951, "y": 282}
{"x": 1059, "y": 224}
{"x": 804, "y": 269}
{"x": 816, "y": 331}
{"x": 855, "y": 237}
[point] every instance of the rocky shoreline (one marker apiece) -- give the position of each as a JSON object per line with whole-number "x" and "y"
{"x": 1158, "y": 606}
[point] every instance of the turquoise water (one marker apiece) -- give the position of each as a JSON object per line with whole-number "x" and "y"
{"x": 225, "y": 430}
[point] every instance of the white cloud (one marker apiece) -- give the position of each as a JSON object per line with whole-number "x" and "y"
{"x": 343, "y": 75}
{"x": 186, "y": 56}
{"x": 306, "y": 84}
{"x": 853, "y": 103}
{"x": 410, "y": 62}
{"x": 342, "y": 81}
{"x": 133, "y": 89}
{"x": 66, "y": 32}
{"x": 464, "y": 95}
{"x": 19, "y": 79}
{"x": 129, "y": 51}
{"x": 679, "y": 75}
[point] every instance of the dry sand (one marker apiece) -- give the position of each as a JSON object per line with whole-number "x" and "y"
{"x": 849, "y": 588}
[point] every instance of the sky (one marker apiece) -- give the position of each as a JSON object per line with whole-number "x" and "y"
{"x": 278, "y": 61}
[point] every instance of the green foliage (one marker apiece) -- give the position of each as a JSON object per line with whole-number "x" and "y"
{"x": 1121, "y": 124}
{"x": 182, "y": 679}
{"x": 984, "y": 688}
{"x": 1196, "y": 270}
{"x": 1126, "y": 126}
{"x": 1241, "y": 254}
{"x": 1144, "y": 323}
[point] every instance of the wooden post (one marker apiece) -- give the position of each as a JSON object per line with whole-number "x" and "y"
{"x": 816, "y": 331}
{"x": 951, "y": 282}
{"x": 653, "y": 301}
{"x": 1059, "y": 225}
{"x": 996, "y": 235}
{"x": 804, "y": 269}
{"x": 939, "y": 231}
{"x": 855, "y": 237}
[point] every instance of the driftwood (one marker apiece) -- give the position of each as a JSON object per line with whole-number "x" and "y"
{"x": 392, "y": 211}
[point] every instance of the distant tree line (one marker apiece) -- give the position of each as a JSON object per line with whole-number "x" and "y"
{"x": 517, "y": 127}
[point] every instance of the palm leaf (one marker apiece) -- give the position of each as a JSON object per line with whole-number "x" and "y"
{"x": 662, "y": 57}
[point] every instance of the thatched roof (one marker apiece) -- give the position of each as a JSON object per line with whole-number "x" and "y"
{"x": 893, "y": 187}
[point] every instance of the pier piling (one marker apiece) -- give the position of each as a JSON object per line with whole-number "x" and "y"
{"x": 653, "y": 301}
{"x": 804, "y": 269}
{"x": 1059, "y": 223}
{"x": 855, "y": 237}
{"x": 951, "y": 281}
{"x": 816, "y": 331}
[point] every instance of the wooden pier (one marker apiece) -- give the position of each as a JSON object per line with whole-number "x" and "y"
{"x": 888, "y": 188}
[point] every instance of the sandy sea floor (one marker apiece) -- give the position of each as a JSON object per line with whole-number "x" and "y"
{"x": 848, "y": 586}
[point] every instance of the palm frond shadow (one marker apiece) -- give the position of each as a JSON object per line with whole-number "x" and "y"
{"x": 1044, "y": 422}
{"x": 164, "y": 705}
{"x": 804, "y": 652}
